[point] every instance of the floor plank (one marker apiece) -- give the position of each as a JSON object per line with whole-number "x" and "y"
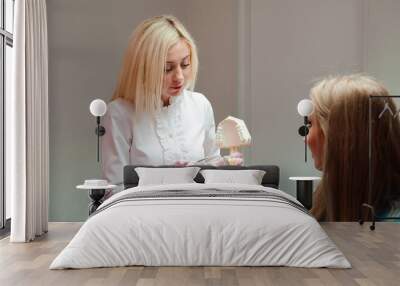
{"x": 374, "y": 255}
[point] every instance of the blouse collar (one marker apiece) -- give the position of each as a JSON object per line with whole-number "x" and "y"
{"x": 174, "y": 100}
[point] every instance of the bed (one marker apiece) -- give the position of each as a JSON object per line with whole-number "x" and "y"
{"x": 198, "y": 224}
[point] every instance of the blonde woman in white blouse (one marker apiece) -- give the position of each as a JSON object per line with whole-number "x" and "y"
{"x": 154, "y": 117}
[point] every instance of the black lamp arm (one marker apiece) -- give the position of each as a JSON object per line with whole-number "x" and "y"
{"x": 100, "y": 131}
{"x": 303, "y": 131}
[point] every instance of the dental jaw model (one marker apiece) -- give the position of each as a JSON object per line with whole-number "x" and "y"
{"x": 232, "y": 133}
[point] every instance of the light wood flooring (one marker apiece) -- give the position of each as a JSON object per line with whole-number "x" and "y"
{"x": 374, "y": 255}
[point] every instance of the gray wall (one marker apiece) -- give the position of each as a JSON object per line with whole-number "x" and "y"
{"x": 382, "y": 42}
{"x": 213, "y": 25}
{"x": 258, "y": 58}
{"x": 292, "y": 44}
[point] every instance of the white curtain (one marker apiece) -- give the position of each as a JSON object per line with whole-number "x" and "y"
{"x": 27, "y": 137}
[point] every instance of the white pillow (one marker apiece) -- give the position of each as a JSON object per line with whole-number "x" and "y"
{"x": 163, "y": 176}
{"x": 249, "y": 177}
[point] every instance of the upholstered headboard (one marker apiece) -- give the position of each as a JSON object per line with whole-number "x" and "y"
{"x": 270, "y": 179}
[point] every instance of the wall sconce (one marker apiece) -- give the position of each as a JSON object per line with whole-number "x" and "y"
{"x": 98, "y": 108}
{"x": 305, "y": 108}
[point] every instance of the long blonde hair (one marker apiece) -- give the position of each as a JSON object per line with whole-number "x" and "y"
{"x": 141, "y": 77}
{"x": 342, "y": 110}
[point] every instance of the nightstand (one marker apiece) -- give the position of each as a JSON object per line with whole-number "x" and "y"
{"x": 97, "y": 190}
{"x": 304, "y": 189}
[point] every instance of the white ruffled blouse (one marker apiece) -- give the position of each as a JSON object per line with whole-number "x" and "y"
{"x": 182, "y": 131}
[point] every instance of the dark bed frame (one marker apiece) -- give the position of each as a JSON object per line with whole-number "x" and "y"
{"x": 270, "y": 179}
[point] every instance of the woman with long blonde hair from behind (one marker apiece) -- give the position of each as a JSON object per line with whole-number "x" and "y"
{"x": 155, "y": 117}
{"x": 339, "y": 142}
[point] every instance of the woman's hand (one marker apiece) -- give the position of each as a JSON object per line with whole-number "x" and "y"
{"x": 181, "y": 163}
{"x": 234, "y": 159}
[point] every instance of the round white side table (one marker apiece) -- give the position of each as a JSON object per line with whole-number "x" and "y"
{"x": 304, "y": 189}
{"x": 96, "y": 194}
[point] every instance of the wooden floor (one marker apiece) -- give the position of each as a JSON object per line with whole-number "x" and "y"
{"x": 375, "y": 257}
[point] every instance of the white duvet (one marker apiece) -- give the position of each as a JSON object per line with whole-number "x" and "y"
{"x": 200, "y": 231}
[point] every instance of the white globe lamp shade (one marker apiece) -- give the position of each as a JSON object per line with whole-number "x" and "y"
{"x": 98, "y": 107}
{"x": 305, "y": 107}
